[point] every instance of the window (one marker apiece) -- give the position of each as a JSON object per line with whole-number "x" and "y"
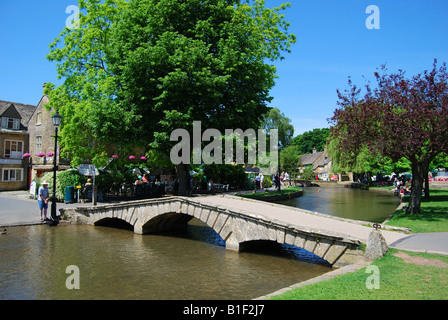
{"x": 10, "y": 123}
{"x": 39, "y": 118}
{"x": 11, "y": 175}
{"x": 38, "y": 144}
{"x": 13, "y": 149}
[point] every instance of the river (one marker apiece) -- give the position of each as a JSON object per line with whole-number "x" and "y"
{"x": 118, "y": 264}
{"x": 357, "y": 204}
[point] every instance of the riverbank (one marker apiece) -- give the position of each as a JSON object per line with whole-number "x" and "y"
{"x": 399, "y": 275}
{"x": 433, "y": 216}
{"x": 273, "y": 195}
{"x": 402, "y": 275}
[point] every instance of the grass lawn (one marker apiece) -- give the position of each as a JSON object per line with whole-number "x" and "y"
{"x": 402, "y": 276}
{"x": 433, "y": 216}
{"x": 261, "y": 195}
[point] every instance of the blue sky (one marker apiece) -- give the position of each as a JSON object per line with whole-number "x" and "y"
{"x": 333, "y": 43}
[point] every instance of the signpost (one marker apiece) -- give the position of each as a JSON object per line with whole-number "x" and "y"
{"x": 90, "y": 170}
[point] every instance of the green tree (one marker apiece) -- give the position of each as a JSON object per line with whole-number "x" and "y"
{"x": 275, "y": 119}
{"x": 363, "y": 161}
{"x": 135, "y": 71}
{"x": 92, "y": 119}
{"x": 290, "y": 160}
{"x": 307, "y": 141}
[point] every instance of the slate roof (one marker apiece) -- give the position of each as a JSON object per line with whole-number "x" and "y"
{"x": 25, "y": 111}
{"x": 310, "y": 158}
{"x": 317, "y": 159}
{"x": 325, "y": 159}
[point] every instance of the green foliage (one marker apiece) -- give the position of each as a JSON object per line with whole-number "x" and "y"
{"x": 290, "y": 160}
{"x": 275, "y": 119}
{"x": 135, "y": 71}
{"x": 91, "y": 117}
{"x": 63, "y": 179}
{"x": 308, "y": 174}
{"x": 226, "y": 174}
{"x": 267, "y": 181}
{"x": 440, "y": 161}
{"x": 307, "y": 141}
{"x": 267, "y": 194}
{"x": 364, "y": 161}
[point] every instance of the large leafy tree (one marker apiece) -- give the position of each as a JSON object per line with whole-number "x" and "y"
{"x": 92, "y": 120}
{"x": 402, "y": 117}
{"x": 135, "y": 71}
{"x": 275, "y": 119}
{"x": 307, "y": 141}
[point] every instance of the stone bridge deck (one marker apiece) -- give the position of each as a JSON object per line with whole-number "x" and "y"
{"x": 240, "y": 222}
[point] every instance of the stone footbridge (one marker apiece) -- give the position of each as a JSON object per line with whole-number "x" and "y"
{"x": 240, "y": 223}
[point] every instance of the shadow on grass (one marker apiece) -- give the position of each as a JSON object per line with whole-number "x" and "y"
{"x": 433, "y": 216}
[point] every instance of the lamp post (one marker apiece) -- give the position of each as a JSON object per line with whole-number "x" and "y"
{"x": 56, "y": 123}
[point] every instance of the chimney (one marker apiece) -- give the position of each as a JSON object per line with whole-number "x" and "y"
{"x": 314, "y": 150}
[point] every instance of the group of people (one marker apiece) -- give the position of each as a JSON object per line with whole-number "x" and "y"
{"x": 402, "y": 188}
{"x": 142, "y": 179}
{"x": 277, "y": 180}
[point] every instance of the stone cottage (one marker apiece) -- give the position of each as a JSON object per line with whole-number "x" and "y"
{"x": 14, "y": 144}
{"x": 320, "y": 162}
{"x": 41, "y": 137}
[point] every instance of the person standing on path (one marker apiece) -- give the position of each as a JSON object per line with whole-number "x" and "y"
{"x": 43, "y": 196}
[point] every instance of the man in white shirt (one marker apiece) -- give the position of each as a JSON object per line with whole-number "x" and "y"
{"x": 43, "y": 196}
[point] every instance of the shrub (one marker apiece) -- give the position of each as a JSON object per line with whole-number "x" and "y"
{"x": 232, "y": 175}
{"x": 63, "y": 179}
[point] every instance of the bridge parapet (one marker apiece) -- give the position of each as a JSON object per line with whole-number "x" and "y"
{"x": 237, "y": 228}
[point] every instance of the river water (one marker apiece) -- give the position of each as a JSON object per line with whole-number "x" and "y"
{"x": 357, "y": 204}
{"x": 118, "y": 264}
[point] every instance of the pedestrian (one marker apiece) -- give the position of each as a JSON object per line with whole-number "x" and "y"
{"x": 43, "y": 196}
{"x": 257, "y": 182}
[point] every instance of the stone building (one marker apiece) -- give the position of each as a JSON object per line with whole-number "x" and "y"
{"x": 320, "y": 162}
{"x": 41, "y": 137}
{"x": 14, "y": 144}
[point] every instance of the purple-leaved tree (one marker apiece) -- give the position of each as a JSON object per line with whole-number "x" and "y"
{"x": 401, "y": 117}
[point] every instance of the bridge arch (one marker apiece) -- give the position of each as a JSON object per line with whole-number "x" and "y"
{"x": 114, "y": 223}
{"x": 236, "y": 228}
{"x": 281, "y": 249}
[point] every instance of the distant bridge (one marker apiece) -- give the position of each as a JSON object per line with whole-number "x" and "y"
{"x": 240, "y": 222}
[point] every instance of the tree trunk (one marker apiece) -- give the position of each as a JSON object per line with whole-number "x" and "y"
{"x": 182, "y": 174}
{"x": 418, "y": 173}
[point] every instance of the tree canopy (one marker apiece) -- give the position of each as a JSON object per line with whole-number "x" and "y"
{"x": 275, "y": 119}
{"x": 135, "y": 71}
{"x": 402, "y": 117}
{"x": 307, "y": 141}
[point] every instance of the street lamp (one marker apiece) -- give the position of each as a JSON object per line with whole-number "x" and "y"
{"x": 56, "y": 123}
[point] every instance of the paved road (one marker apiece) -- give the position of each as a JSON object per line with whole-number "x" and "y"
{"x": 435, "y": 242}
{"x": 16, "y": 210}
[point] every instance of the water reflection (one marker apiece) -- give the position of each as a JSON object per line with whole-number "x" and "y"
{"x": 118, "y": 264}
{"x": 366, "y": 205}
